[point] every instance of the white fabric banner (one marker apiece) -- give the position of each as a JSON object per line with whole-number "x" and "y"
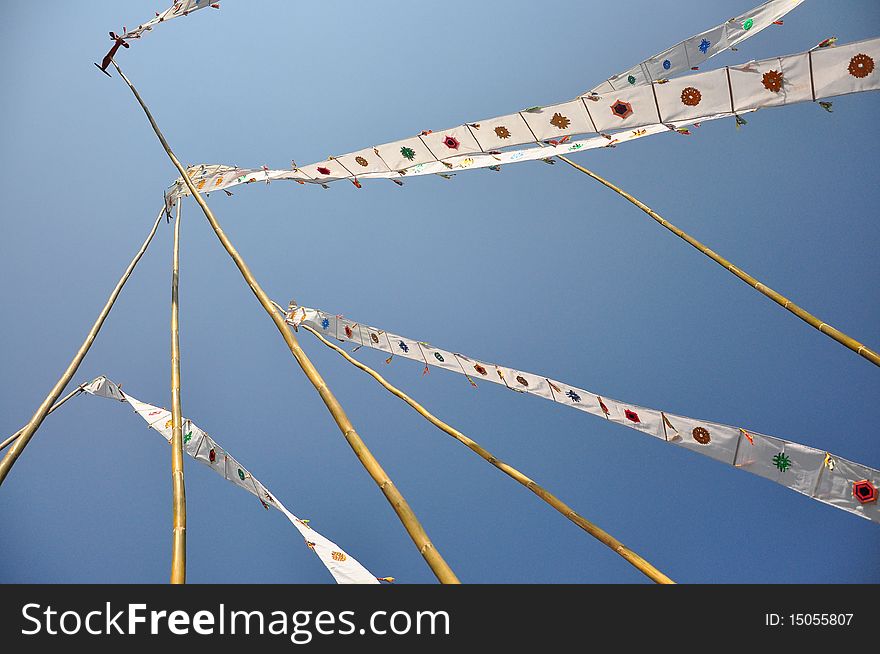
{"x": 818, "y": 474}
{"x": 693, "y": 51}
{"x": 344, "y": 567}
{"x": 617, "y": 116}
{"x": 180, "y": 8}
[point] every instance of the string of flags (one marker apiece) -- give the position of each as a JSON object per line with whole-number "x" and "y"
{"x": 344, "y": 568}
{"x": 178, "y": 9}
{"x": 689, "y": 54}
{"x": 613, "y": 118}
{"x": 815, "y": 473}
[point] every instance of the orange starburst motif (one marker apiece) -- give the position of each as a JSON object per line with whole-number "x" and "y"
{"x": 691, "y": 96}
{"x": 861, "y": 65}
{"x": 560, "y": 121}
{"x": 772, "y": 81}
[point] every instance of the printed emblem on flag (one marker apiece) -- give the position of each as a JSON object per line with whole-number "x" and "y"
{"x": 325, "y": 323}
{"x": 338, "y": 556}
{"x": 451, "y": 142}
{"x": 691, "y": 96}
{"x": 705, "y": 44}
{"x": 632, "y": 416}
{"x": 502, "y": 132}
{"x": 861, "y": 65}
{"x": 241, "y": 474}
{"x": 574, "y": 397}
{"x": 667, "y": 64}
{"x": 782, "y": 462}
{"x": 864, "y": 491}
{"x": 168, "y": 424}
{"x": 439, "y": 357}
{"x": 408, "y": 153}
{"x": 374, "y": 338}
{"x": 560, "y": 121}
{"x": 212, "y": 456}
{"x": 522, "y": 380}
{"x": 701, "y": 435}
{"x": 361, "y": 161}
{"x": 480, "y": 369}
{"x": 348, "y": 331}
{"x": 323, "y": 170}
{"x": 622, "y": 109}
{"x": 403, "y": 346}
{"x": 772, "y": 81}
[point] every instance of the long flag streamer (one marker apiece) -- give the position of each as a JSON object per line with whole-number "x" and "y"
{"x": 816, "y": 473}
{"x": 693, "y": 51}
{"x": 344, "y": 567}
{"x": 615, "y": 117}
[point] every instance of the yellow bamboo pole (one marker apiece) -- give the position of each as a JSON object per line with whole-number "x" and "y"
{"x": 57, "y": 405}
{"x": 43, "y": 410}
{"x": 602, "y": 536}
{"x": 401, "y": 507}
{"x": 178, "y": 543}
{"x": 784, "y": 302}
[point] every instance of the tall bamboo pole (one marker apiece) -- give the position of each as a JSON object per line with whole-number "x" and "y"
{"x": 178, "y": 543}
{"x": 602, "y": 536}
{"x": 57, "y": 405}
{"x": 784, "y": 302}
{"x": 43, "y": 410}
{"x": 406, "y": 515}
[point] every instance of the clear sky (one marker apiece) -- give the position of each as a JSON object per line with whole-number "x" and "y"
{"x": 536, "y": 267}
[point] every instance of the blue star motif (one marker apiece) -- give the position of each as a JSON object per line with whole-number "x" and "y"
{"x": 325, "y": 323}
{"x": 667, "y": 64}
{"x": 704, "y": 46}
{"x": 574, "y": 397}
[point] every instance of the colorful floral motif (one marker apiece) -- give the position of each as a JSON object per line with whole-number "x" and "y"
{"x": 782, "y": 462}
{"x": 560, "y": 121}
{"x": 691, "y": 96}
{"x": 772, "y": 81}
{"x": 701, "y": 435}
{"x": 861, "y": 66}
{"x": 451, "y": 142}
{"x": 621, "y": 109}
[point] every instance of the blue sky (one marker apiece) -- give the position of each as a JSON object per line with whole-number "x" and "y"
{"x": 537, "y": 267}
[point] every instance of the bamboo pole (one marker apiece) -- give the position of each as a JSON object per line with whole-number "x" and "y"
{"x": 406, "y": 515}
{"x": 602, "y": 536}
{"x": 57, "y": 405}
{"x": 178, "y": 543}
{"x": 784, "y": 302}
{"x": 43, "y": 410}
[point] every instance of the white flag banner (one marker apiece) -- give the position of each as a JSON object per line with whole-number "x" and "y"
{"x": 690, "y": 53}
{"x": 612, "y": 118}
{"x": 178, "y": 9}
{"x": 199, "y": 445}
{"x": 818, "y": 474}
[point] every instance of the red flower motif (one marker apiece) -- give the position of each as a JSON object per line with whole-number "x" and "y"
{"x": 632, "y": 416}
{"x": 452, "y": 143}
